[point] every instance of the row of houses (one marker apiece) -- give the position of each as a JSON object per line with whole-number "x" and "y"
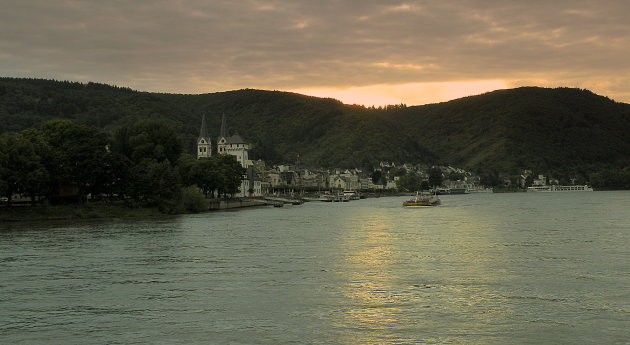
{"x": 283, "y": 176}
{"x": 261, "y": 179}
{"x": 356, "y": 179}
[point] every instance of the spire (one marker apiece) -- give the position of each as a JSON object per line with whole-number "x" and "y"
{"x": 203, "y": 133}
{"x": 204, "y": 147}
{"x": 224, "y": 133}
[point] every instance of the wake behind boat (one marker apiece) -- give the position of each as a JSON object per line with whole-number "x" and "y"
{"x": 422, "y": 200}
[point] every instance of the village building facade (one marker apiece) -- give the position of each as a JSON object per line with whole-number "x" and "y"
{"x": 235, "y": 146}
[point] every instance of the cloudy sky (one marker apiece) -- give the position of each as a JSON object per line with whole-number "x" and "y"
{"x": 358, "y": 51}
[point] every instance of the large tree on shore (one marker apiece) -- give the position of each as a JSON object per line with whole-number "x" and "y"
{"x": 147, "y": 139}
{"x": 165, "y": 186}
{"x": 231, "y": 173}
{"x": 147, "y": 147}
{"x": 21, "y": 168}
{"x": 78, "y": 156}
{"x": 409, "y": 182}
{"x": 205, "y": 174}
{"x": 222, "y": 173}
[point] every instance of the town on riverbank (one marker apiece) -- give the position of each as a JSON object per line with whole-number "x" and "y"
{"x": 141, "y": 170}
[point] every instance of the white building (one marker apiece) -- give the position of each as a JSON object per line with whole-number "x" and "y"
{"x": 232, "y": 145}
{"x": 235, "y": 145}
{"x": 346, "y": 180}
{"x": 540, "y": 181}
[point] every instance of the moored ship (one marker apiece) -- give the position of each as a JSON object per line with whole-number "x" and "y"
{"x": 560, "y": 188}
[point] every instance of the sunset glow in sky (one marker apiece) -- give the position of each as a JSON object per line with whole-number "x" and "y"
{"x": 358, "y": 51}
{"x": 412, "y": 93}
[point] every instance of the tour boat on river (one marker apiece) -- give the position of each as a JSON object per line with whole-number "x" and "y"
{"x": 422, "y": 200}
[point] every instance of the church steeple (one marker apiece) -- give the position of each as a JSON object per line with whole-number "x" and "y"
{"x": 203, "y": 133}
{"x": 223, "y": 136}
{"x": 204, "y": 147}
{"x": 224, "y": 132}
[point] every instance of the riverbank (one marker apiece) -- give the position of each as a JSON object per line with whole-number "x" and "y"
{"x": 68, "y": 212}
{"x": 98, "y": 210}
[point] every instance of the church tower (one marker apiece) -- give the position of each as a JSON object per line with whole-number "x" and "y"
{"x": 232, "y": 145}
{"x": 204, "y": 147}
{"x": 223, "y": 137}
{"x": 235, "y": 146}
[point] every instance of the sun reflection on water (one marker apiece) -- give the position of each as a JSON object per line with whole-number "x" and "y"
{"x": 391, "y": 279}
{"x": 374, "y": 303}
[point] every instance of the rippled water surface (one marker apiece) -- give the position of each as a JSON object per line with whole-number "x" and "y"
{"x": 526, "y": 268}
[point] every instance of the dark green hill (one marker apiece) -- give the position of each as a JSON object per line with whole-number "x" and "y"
{"x": 280, "y": 125}
{"x": 535, "y": 128}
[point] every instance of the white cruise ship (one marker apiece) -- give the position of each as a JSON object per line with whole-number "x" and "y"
{"x": 558, "y": 188}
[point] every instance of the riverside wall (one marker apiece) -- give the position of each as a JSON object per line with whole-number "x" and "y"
{"x": 233, "y": 203}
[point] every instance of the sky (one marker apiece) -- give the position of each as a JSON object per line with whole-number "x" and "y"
{"x": 358, "y": 51}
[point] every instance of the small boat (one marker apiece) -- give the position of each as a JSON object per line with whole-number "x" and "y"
{"x": 351, "y": 194}
{"x": 325, "y": 198}
{"x": 422, "y": 200}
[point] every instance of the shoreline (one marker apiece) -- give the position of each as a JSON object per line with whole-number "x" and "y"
{"x": 74, "y": 212}
{"x": 102, "y": 210}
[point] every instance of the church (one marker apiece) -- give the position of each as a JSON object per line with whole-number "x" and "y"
{"x": 231, "y": 145}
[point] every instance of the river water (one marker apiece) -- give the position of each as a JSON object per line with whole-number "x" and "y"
{"x": 523, "y": 268}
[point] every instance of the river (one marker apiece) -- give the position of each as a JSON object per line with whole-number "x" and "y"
{"x": 522, "y": 268}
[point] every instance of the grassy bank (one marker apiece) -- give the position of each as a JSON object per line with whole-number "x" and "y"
{"x": 86, "y": 211}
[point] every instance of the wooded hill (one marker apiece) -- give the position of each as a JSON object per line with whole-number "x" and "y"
{"x": 562, "y": 130}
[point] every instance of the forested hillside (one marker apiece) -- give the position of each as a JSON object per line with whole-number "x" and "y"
{"x": 280, "y": 125}
{"x": 562, "y": 130}
{"x": 531, "y": 128}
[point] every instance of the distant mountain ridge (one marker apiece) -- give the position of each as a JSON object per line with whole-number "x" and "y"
{"x": 535, "y": 128}
{"x": 527, "y": 127}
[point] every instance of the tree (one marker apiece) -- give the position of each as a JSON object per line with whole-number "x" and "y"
{"x": 194, "y": 200}
{"x": 231, "y": 174}
{"x": 146, "y": 148}
{"x": 4, "y": 166}
{"x": 222, "y": 173}
{"x": 490, "y": 178}
{"x": 119, "y": 172}
{"x": 21, "y": 169}
{"x": 185, "y": 163}
{"x": 165, "y": 187}
{"x": 78, "y": 156}
{"x": 38, "y": 185}
{"x": 376, "y": 176}
{"x": 409, "y": 182}
{"x": 397, "y": 172}
{"x": 147, "y": 140}
{"x": 204, "y": 174}
{"x": 611, "y": 179}
{"x": 435, "y": 177}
